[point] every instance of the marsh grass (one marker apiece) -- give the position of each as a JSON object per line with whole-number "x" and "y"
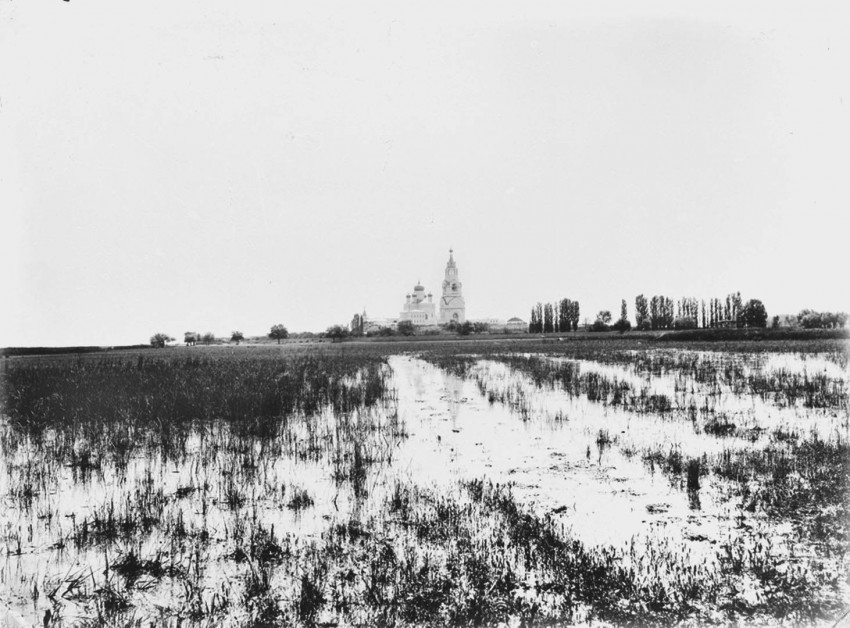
{"x": 478, "y": 557}
{"x": 225, "y": 421}
{"x": 790, "y": 477}
{"x": 218, "y": 512}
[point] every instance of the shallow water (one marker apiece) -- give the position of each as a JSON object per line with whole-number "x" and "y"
{"x": 602, "y": 497}
{"x": 549, "y": 446}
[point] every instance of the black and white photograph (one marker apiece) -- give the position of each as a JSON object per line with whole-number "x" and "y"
{"x": 382, "y": 314}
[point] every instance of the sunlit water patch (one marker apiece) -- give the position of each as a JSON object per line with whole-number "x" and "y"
{"x": 560, "y": 465}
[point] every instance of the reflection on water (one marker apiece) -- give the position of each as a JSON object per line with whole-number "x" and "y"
{"x": 605, "y": 498}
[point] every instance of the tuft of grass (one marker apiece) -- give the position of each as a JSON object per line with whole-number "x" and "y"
{"x": 299, "y": 500}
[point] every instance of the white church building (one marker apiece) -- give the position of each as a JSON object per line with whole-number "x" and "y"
{"x": 420, "y": 309}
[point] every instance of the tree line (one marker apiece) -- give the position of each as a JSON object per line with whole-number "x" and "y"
{"x": 811, "y": 319}
{"x": 191, "y": 338}
{"x": 560, "y": 316}
{"x": 358, "y": 328}
{"x": 659, "y": 312}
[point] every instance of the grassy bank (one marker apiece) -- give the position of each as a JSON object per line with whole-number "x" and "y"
{"x": 753, "y": 335}
{"x": 728, "y": 340}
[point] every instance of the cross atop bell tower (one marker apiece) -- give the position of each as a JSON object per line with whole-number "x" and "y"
{"x": 451, "y": 270}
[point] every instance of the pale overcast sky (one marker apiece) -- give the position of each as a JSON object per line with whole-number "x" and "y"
{"x": 208, "y": 165}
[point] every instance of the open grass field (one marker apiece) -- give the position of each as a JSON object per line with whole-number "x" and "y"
{"x": 511, "y": 480}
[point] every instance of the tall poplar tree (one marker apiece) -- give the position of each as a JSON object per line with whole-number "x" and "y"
{"x": 548, "y": 317}
{"x": 641, "y": 312}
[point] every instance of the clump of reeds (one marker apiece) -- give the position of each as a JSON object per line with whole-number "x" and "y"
{"x": 719, "y": 425}
{"x": 299, "y": 499}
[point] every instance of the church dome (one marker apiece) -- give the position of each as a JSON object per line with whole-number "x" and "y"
{"x": 419, "y": 288}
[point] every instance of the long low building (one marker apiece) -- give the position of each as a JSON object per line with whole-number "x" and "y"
{"x": 498, "y": 325}
{"x": 515, "y": 325}
{"x": 370, "y": 325}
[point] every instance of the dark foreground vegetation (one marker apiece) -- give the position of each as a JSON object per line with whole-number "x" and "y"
{"x": 754, "y": 334}
{"x": 258, "y": 487}
{"x": 20, "y": 351}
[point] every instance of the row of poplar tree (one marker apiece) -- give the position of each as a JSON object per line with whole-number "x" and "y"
{"x": 562, "y": 315}
{"x": 659, "y": 312}
{"x": 689, "y": 312}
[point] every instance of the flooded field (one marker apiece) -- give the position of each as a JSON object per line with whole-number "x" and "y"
{"x": 578, "y": 484}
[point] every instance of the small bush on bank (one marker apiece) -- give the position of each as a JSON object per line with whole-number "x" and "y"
{"x": 685, "y": 322}
{"x": 622, "y": 326}
{"x": 598, "y": 325}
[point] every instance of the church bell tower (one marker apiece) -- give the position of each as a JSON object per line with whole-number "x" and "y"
{"x": 452, "y": 306}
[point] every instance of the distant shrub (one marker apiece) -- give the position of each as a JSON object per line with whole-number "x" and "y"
{"x": 158, "y": 341}
{"x": 465, "y": 328}
{"x": 598, "y": 325}
{"x": 622, "y": 325}
{"x": 406, "y": 328}
{"x": 822, "y": 320}
{"x": 754, "y": 314}
{"x": 685, "y": 322}
{"x": 336, "y": 333}
{"x": 278, "y": 332}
